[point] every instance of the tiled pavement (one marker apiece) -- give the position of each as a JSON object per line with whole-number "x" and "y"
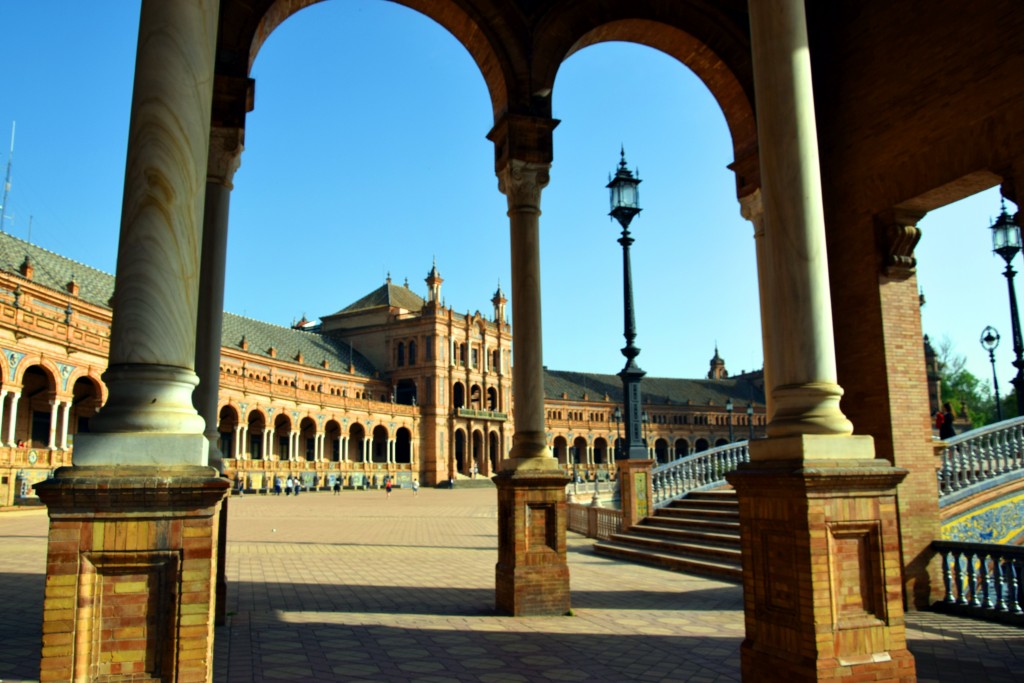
{"x": 357, "y": 587}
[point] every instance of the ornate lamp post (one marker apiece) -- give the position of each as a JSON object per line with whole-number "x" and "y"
{"x": 989, "y": 342}
{"x": 750, "y": 421}
{"x": 617, "y": 416}
{"x": 1006, "y": 243}
{"x": 624, "y": 207}
{"x": 728, "y": 410}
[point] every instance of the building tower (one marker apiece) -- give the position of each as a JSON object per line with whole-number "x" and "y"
{"x": 434, "y": 281}
{"x": 499, "y": 302}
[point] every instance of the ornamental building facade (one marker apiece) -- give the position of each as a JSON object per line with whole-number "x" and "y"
{"x": 393, "y": 384}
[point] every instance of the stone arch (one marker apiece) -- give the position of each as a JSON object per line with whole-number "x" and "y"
{"x": 39, "y": 386}
{"x": 492, "y": 399}
{"x": 86, "y": 399}
{"x": 682, "y": 448}
{"x": 579, "y": 445}
{"x": 478, "y": 465}
{"x": 601, "y": 455}
{"x": 356, "y": 436}
{"x": 227, "y": 422}
{"x": 379, "y": 445}
{"x": 476, "y": 397}
{"x": 460, "y": 451}
{"x": 307, "y": 439}
{"x": 332, "y": 441}
{"x": 405, "y": 391}
{"x": 255, "y": 21}
{"x": 560, "y": 449}
{"x": 721, "y": 441}
{"x": 280, "y": 444}
{"x": 493, "y": 451}
{"x": 403, "y": 446}
{"x": 661, "y": 453}
{"x": 257, "y": 426}
{"x": 701, "y": 445}
{"x": 706, "y": 43}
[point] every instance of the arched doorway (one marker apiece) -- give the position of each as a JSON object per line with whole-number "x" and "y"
{"x": 226, "y": 428}
{"x": 403, "y": 442}
{"x": 257, "y": 427}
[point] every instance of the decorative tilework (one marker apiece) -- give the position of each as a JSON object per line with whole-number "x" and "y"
{"x": 1000, "y": 522}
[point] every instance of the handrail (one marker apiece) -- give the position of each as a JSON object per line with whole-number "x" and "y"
{"x": 980, "y": 455}
{"x": 982, "y": 579}
{"x": 700, "y": 471}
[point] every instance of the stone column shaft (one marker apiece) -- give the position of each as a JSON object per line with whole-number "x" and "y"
{"x": 3, "y": 412}
{"x": 13, "y": 423}
{"x": 522, "y": 183}
{"x": 63, "y": 445}
{"x": 805, "y": 392}
{"x": 149, "y": 418}
{"x": 54, "y": 412}
{"x": 752, "y": 208}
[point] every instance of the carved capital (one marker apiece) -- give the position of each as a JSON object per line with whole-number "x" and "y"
{"x": 898, "y": 234}
{"x": 226, "y": 145}
{"x": 522, "y": 182}
{"x": 752, "y": 209}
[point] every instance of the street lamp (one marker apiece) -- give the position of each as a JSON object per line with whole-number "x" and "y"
{"x": 750, "y": 421}
{"x": 728, "y": 410}
{"x": 617, "y": 416}
{"x": 625, "y": 206}
{"x": 989, "y": 342}
{"x": 1006, "y": 243}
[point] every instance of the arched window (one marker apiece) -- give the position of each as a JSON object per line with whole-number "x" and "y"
{"x": 412, "y": 353}
{"x": 400, "y": 354}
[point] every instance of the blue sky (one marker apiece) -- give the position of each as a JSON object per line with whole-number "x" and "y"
{"x": 366, "y": 155}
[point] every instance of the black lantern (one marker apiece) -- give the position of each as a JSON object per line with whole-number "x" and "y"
{"x": 1006, "y": 243}
{"x": 990, "y": 342}
{"x": 625, "y": 205}
{"x": 728, "y": 410}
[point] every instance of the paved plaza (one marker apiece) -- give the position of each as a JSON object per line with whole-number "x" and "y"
{"x": 359, "y": 587}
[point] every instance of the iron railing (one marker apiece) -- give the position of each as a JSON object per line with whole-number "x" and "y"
{"x": 980, "y": 455}
{"x": 983, "y": 580}
{"x": 697, "y": 472}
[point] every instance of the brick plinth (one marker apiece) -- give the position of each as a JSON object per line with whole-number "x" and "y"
{"x": 532, "y": 575}
{"x": 635, "y": 490}
{"x": 130, "y": 575}
{"x": 821, "y": 572}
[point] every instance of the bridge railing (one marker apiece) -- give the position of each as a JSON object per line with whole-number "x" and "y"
{"x": 700, "y": 471}
{"x": 980, "y": 455}
{"x": 982, "y": 579}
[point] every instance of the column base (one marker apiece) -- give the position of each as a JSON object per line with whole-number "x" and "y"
{"x": 635, "y": 491}
{"x": 130, "y": 576}
{"x": 821, "y": 571}
{"x": 532, "y": 574}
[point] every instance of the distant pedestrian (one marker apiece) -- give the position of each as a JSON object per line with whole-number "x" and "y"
{"x": 451, "y": 482}
{"x": 387, "y": 487}
{"x": 288, "y": 486}
{"x": 297, "y": 486}
{"x": 241, "y": 484}
{"x": 337, "y": 486}
{"x": 415, "y": 486}
{"x": 946, "y": 429}
{"x": 277, "y": 486}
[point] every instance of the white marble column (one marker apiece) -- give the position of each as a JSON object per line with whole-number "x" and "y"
{"x": 3, "y": 410}
{"x": 225, "y": 155}
{"x": 801, "y": 351}
{"x": 63, "y": 443}
{"x": 13, "y": 423}
{"x": 54, "y": 413}
{"x": 149, "y": 418}
{"x": 522, "y": 182}
{"x": 295, "y": 451}
{"x": 752, "y": 209}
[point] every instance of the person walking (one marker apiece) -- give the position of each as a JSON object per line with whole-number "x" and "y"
{"x": 415, "y": 486}
{"x": 387, "y": 487}
{"x": 288, "y": 486}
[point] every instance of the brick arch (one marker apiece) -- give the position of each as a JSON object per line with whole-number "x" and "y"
{"x": 252, "y": 23}
{"x": 46, "y": 365}
{"x": 714, "y": 48}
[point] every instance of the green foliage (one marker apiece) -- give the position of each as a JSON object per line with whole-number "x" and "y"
{"x": 963, "y": 390}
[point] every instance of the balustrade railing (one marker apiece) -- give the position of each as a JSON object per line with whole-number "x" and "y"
{"x": 980, "y": 455}
{"x": 982, "y": 579}
{"x": 594, "y": 522}
{"x": 704, "y": 470}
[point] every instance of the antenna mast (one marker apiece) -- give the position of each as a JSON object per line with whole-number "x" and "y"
{"x": 7, "y": 180}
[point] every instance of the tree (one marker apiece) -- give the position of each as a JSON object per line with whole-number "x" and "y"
{"x": 962, "y": 389}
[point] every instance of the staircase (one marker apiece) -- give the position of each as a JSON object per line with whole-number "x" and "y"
{"x": 698, "y": 534}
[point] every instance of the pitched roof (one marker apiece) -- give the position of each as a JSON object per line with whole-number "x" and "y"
{"x": 387, "y": 295}
{"x": 288, "y": 343}
{"x": 654, "y": 390}
{"x": 55, "y": 271}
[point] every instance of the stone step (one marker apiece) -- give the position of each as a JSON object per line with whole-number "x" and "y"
{"x": 705, "y": 550}
{"x": 675, "y": 511}
{"x": 705, "y": 567}
{"x": 695, "y": 522}
{"x": 726, "y": 537}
